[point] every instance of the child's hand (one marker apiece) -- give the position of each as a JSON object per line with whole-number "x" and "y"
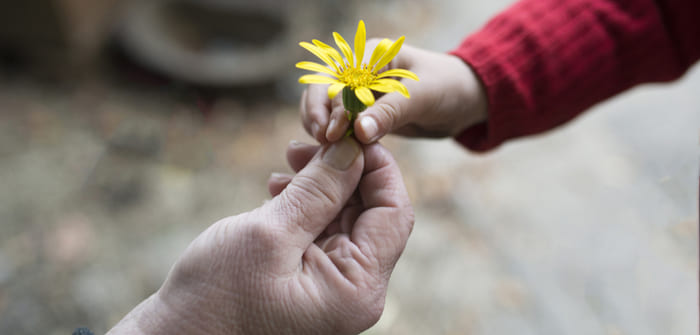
{"x": 447, "y": 99}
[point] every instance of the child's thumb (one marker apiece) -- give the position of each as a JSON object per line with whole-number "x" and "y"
{"x": 387, "y": 114}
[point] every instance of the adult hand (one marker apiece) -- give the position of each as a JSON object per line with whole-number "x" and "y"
{"x": 316, "y": 259}
{"x": 447, "y": 99}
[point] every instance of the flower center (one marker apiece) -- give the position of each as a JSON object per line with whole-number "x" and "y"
{"x": 357, "y": 77}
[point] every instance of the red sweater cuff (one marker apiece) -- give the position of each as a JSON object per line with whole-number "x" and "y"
{"x": 542, "y": 62}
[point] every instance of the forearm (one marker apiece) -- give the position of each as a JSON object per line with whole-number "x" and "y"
{"x": 154, "y": 317}
{"x": 542, "y": 62}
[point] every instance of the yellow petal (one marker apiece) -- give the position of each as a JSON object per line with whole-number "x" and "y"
{"x": 398, "y": 73}
{"x": 391, "y": 53}
{"x": 378, "y": 52}
{"x": 317, "y": 79}
{"x": 318, "y": 52}
{"x": 388, "y": 86}
{"x": 334, "y": 89}
{"x": 330, "y": 51}
{"x": 360, "y": 38}
{"x": 365, "y": 96}
{"x": 344, "y": 47}
{"x": 315, "y": 67}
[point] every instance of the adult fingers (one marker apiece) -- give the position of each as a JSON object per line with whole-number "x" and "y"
{"x": 316, "y": 195}
{"x": 299, "y": 154}
{"x": 382, "y": 230}
{"x": 277, "y": 183}
{"x": 314, "y": 108}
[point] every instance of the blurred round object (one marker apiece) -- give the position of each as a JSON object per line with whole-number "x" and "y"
{"x": 216, "y": 42}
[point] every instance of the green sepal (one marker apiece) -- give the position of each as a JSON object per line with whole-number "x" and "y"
{"x": 351, "y": 102}
{"x": 353, "y": 106}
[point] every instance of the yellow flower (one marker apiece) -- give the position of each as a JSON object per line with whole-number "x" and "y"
{"x": 349, "y": 71}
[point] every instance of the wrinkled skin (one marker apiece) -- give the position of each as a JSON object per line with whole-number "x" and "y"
{"x": 315, "y": 259}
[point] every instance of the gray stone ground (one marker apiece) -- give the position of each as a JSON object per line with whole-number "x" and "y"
{"x": 588, "y": 229}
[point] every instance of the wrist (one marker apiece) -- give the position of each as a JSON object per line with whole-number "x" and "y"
{"x": 140, "y": 320}
{"x": 156, "y": 316}
{"x": 472, "y": 97}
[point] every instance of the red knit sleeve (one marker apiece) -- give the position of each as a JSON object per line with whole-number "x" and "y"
{"x": 542, "y": 62}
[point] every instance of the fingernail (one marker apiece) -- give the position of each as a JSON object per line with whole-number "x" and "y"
{"x": 341, "y": 154}
{"x": 278, "y": 176}
{"x": 369, "y": 127}
{"x": 331, "y": 127}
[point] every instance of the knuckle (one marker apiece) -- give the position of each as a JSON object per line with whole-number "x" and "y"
{"x": 313, "y": 190}
{"x": 292, "y": 206}
{"x": 337, "y": 106}
{"x": 304, "y": 199}
{"x": 259, "y": 245}
{"x": 388, "y": 109}
{"x": 259, "y": 234}
{"x": 389, "y": 113}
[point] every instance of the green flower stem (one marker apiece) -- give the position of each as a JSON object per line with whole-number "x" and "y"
{"x": 353, "y": 107}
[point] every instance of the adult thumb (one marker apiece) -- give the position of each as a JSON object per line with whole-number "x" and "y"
{"x": 318, "y": 193}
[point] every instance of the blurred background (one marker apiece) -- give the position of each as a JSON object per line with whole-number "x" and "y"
{"x": 127, "y": 127}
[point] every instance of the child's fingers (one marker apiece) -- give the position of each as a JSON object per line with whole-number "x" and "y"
{"x": 339, "y": 122}
{"x": 314, "y": 109}
{"x": 388, "y": 113}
